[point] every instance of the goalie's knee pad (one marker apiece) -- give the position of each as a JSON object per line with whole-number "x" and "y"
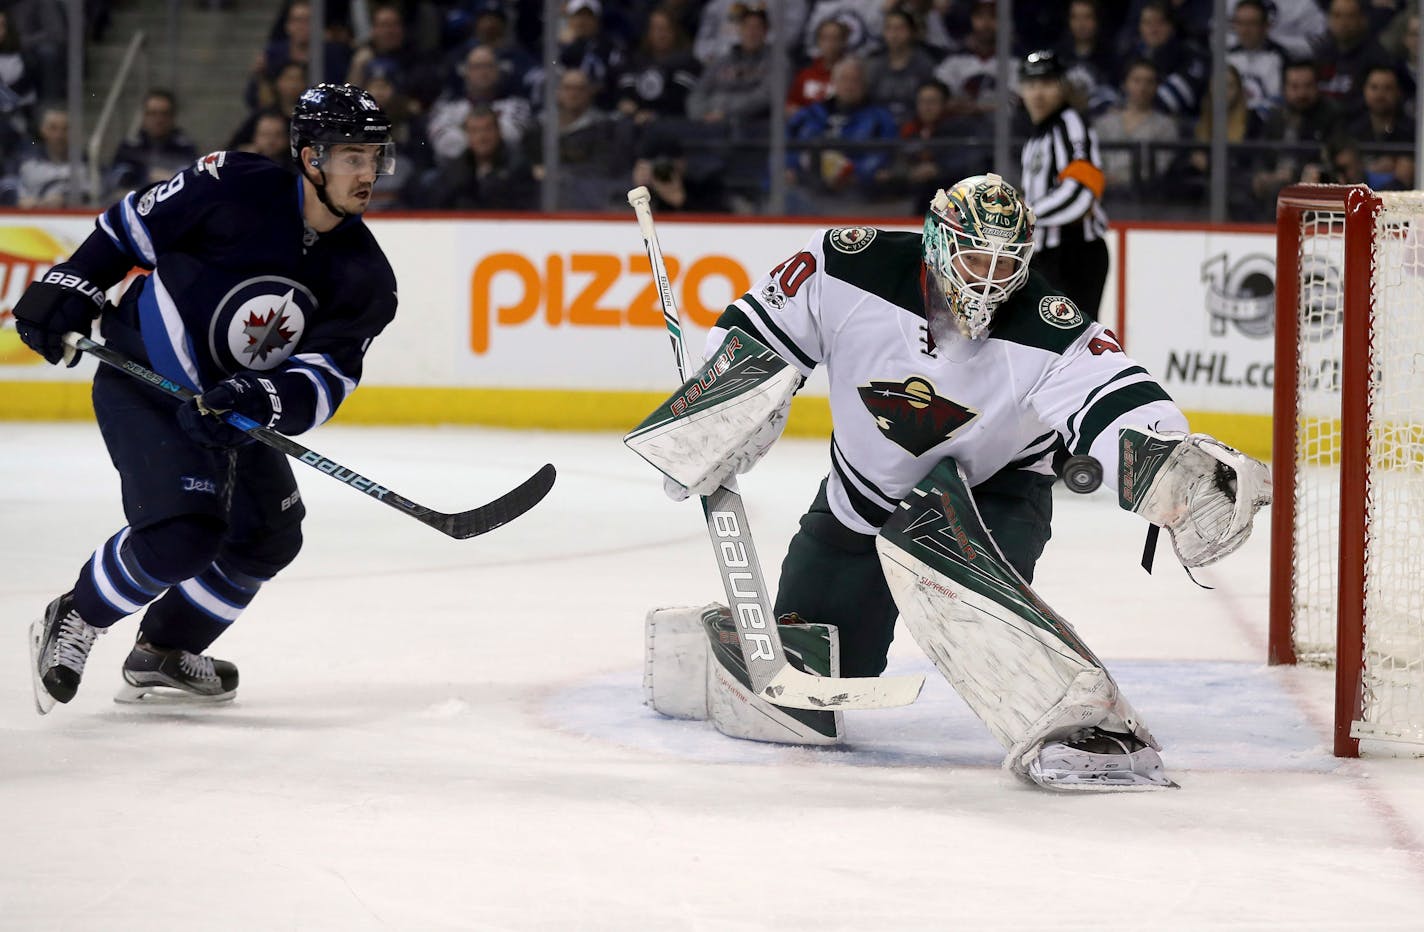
{"x": 693, "y": 669}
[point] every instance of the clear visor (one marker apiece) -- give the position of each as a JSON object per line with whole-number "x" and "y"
{"x": 970, "y": 277}
{"x": 352, "y": 159}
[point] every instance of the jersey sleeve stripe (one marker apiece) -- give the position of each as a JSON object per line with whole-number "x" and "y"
{"x": 326, "y": 364}
{"x": 137, "y": 232}
{"x": 864, "y": 485}
{"x": 1069, "y": 202}
{"x": 323, "y": 408}
{"x": 1130, "y": 372}
{"x": 1114, "y": 406}
{"x": 770, "y": 328}
{"x": 119, "y": 242}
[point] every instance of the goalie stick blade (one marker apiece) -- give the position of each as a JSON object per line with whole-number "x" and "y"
{"x": 499, "y": 512}
{"x": 796, "y": 690}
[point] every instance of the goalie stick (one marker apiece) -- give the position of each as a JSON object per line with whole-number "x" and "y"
{"x": 772, "y": 676}
{"x": 461, "y": 525}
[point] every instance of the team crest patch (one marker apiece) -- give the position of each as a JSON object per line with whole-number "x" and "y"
{"x": 1060, "y": 312}
{"x": 210, "y": 163}
{"x": 911, "y": 414}
{"x": 259, "y": 323}
{"x": 145, "y": 203}
{"x": 773, "y": 296}
{"x": 851, "y": 240}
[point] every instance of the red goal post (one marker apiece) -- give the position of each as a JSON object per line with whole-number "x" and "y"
{"x": 1347, "y": 523}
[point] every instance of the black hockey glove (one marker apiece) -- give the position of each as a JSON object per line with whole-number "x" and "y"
{"x": 59, "y": 302}
{"x": 247, "y": 393}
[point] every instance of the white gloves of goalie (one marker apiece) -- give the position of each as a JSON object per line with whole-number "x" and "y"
{"x": 1205, "y": 493}
{"x": 735, "y": 463}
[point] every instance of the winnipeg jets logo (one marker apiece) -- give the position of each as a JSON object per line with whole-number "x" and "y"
{"x": 267, "y": 333}
{"x": 911, "y": 415}
{"x": 260, "y": 322}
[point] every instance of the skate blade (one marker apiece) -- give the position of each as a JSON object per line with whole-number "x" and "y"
{"x": 167, "y": 696}
{"x": 44, "y": 702}
{"x": 1126, "y": 781}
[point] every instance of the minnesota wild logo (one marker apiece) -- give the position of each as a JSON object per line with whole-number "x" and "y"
{"x": 911, "y": 415}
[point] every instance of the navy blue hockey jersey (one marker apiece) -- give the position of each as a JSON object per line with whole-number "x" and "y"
{"x": 238, "y": 281}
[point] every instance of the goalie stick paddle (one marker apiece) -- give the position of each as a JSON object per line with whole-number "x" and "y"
{"x": 461, "y": 525}
{"x": 772, "y": 676}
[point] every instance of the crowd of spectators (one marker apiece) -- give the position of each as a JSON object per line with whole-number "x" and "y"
{"x": 886, "y": 99}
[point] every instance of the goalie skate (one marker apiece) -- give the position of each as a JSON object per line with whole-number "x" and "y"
{"x": 1096, "y": 761}
{"x": 155, "y": 676}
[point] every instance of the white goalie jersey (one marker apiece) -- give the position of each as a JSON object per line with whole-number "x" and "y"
{"x": 903, "y": 398}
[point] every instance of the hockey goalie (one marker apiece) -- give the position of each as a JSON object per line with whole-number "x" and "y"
{"x": 955, "y": 372}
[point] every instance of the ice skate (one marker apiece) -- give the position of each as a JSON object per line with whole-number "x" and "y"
{"x": 1096, "y": 760}
{"x": 59, "y": 646}
{"x": 155, "y": 675}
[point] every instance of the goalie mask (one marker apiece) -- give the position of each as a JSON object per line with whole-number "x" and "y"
{"x": 978, "y": 240}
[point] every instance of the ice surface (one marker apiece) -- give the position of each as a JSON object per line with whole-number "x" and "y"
{"x": 447, "y": 735}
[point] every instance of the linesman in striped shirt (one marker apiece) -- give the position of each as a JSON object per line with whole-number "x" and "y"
{"x": 1063, "y": 183}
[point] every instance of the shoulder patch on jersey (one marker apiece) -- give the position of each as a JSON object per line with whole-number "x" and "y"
{"x": 145, "y": 203}
{"x": 210, "y": 163}
{"x": 1059, "y": 311}
{"x": 851, "y": 240}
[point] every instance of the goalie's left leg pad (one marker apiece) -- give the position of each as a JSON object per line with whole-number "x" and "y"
{"x": 1017, "y": 663}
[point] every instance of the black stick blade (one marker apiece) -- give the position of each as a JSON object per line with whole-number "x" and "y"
{"x": 502, "y": 510}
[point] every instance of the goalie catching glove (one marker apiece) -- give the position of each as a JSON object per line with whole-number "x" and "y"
{"x": 1204, "y": 493}
{"x": 721, "y": 421}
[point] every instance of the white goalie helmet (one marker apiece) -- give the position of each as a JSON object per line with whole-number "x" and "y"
{"x": 978, "y": 241}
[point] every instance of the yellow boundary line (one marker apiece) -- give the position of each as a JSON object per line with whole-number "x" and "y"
{"x": 539, "y": 409}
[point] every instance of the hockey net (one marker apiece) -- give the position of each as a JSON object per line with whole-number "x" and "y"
{"x": 1347, "y": 565}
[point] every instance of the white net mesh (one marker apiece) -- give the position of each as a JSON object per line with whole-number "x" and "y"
{"x": 1393, "y": 674}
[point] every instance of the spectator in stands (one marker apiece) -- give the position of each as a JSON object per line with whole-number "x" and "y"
{"x": 1087, "y": 54}
{"x": 863, "y": 21}
{"x": 719, "y": 24}
{"x": 929, "y": 17}
{"x": 591, "y": 50}
{"x": 390, "y": 51}
{"x": 17, "y": 92}
{"x": 846, "y": 116}
{"x": 1189, "y": 176}
{"x": 446, "y": 129}
{"x": 971, "y": 72}
{"x": 933, "y": 147}
{"x": 1303, "y": 117}
{"x": 157, "y": 150}
{"x": 488, "y": 175}
{"x": 1346, "y": 52}
{"x": 1191, "y": 18}
{"x": 1403, "y": 44}
{"x": 1182, "y": 67}
{"x": 488, "y": 25}
{"x": 593, "y": 154}
{"x": 1260, "y": 60}
{"x": 661, "y": 167}
{"x": 897, "y": 72}
{"x": 271, "y": 138}
{"x": 45, "y": 169}
{"x": 1296, "y": 25}
{"x": 1343, "y": 164}
{"x": 733, "y": 92}
{"x": 295, "y": 46}
{"x": 1136, "y": 120}
{"x": 812, "y": 84}
{"x": 661, "y": 75}
{"x": 280, "y": 94}
{"x": 1383, "y": 120}
{"x": 43, "y": 31}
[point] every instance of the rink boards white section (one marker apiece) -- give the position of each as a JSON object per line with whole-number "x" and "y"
{"x": 554, "y": 322}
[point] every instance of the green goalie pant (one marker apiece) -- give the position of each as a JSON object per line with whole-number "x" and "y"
{"x": 832, "y": 576}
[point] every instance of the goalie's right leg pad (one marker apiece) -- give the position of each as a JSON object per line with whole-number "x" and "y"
{"x": 832, "y": 575}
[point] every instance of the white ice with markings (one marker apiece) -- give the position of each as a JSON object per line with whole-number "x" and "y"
{"x": 445, "y": 735}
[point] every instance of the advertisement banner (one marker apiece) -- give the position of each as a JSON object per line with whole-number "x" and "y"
{"x": 29, "y": 245}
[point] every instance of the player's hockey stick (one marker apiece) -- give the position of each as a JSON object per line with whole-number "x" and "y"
{"x": 772, "y": 677}
{"x": 460, "y": 526}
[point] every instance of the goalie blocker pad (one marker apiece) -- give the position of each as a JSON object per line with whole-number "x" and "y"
{"x": 693, "y": 669}
{"x": 722, "y": 418}
{"x": 1017, "y": 663}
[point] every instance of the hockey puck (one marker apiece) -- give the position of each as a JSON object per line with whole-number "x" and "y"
{"x": 1082, "y": 473}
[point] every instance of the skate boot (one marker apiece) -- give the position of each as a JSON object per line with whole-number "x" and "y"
{"x": 59, "y": 646}
{"x": 1095, "y": 759}
{"x": 160, "y": 675}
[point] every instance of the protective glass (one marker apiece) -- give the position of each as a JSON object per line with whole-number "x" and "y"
{"x": 354, "y": 159}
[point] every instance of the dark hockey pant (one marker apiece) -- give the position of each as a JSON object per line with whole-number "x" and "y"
{"x": 831, "y": 574}
{"x": 205, "y": 527}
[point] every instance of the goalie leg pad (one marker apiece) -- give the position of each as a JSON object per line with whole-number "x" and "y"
{"x": 693, "y": 669}
{"x": 1018, "y": 664}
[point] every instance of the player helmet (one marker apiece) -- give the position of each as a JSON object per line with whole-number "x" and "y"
{"x": 1042, "y": 65}
{"x": 977, "y": 244}
{"x": 341, "y": 114}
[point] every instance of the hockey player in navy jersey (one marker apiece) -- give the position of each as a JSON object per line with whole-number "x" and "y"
{"x": 954, "y": 372}
{"x": 264, "y": 291}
